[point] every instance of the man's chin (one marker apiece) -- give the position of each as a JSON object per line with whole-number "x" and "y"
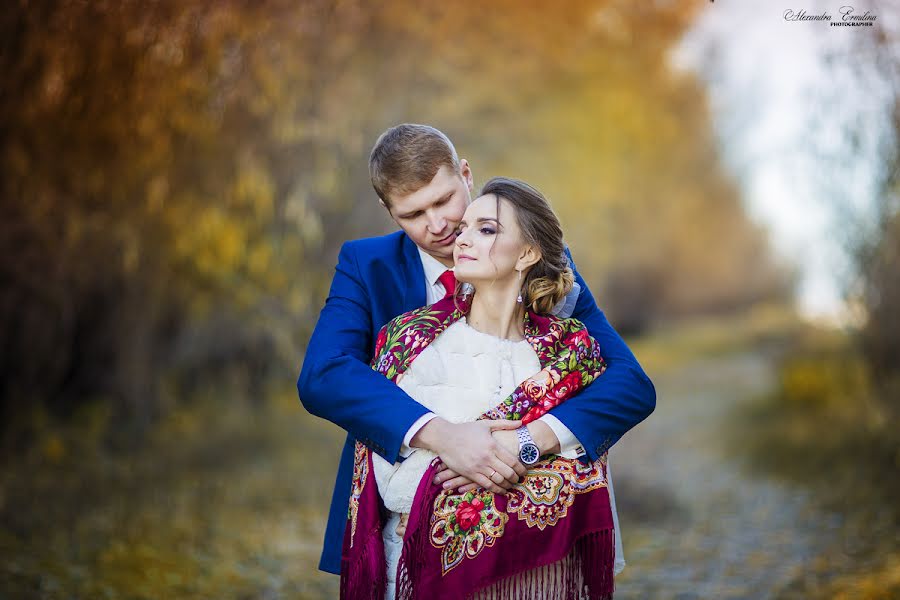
{"x": 442, "y": 253}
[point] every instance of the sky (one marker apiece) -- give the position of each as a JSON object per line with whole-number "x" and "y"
{"x": 782, "y": 113}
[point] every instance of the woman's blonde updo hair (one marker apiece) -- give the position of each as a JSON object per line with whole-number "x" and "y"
{"x": 550, "y": 279}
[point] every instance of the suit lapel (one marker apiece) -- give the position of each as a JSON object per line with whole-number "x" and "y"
{"x": 414, "y": 272}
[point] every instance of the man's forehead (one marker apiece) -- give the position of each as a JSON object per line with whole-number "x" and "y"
{"x": 438, "y": 189}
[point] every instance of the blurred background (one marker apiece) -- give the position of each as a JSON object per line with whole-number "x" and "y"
{"x": 177, "y": 178}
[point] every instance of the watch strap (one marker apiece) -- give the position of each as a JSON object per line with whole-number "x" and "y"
{"x": 524, "y": 436}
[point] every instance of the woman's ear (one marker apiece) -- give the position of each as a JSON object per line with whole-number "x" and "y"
{"x": 529, "y": 257}
{"x": 466, "y": 171}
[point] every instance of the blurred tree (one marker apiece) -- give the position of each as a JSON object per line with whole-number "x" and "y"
{"x": 178, "y": 177}
{"x": 878, "y": 253}
{"x": 624, "y": 146}
{"x": 867, "y": 151}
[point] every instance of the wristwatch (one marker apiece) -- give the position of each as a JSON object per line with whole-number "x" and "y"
{"x": 528, "y": 450}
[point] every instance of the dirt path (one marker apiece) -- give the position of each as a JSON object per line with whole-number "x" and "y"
{"x": 231, "y": 504}
{"x": 695, "y": 523}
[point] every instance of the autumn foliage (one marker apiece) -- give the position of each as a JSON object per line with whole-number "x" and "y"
{"x": 178, "y": 176}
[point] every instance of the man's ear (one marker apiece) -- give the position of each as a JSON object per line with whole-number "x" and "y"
{"x": 528, "y": 258}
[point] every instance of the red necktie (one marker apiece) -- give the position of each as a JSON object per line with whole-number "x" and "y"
{"x": 448, "y": 279}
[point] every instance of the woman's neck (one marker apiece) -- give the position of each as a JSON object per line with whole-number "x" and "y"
{"x": 495, "y": 312}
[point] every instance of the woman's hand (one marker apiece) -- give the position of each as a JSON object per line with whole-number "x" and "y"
{"x": 470, "y": 452}
{"x": 506, "y": 439}
{"x": 401, "y": 526}
{"x": 546, "y": 441}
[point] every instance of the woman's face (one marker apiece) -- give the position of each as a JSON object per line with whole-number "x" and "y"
{"x": 490, "y": 243}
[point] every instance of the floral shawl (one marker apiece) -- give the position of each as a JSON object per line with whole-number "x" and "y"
{"x": 456, "y": 544}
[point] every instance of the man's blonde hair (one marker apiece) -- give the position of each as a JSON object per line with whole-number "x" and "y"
{"x": 407, "y": 157}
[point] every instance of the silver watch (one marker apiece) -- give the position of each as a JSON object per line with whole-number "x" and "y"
{"x": 528, "y": 450}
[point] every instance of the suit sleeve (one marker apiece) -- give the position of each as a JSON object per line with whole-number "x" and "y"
{"x": 336, "y": 382}
{"x": 617, "y": 400}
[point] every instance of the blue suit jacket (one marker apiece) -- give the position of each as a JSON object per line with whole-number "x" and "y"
{"x": 377, "y": 279}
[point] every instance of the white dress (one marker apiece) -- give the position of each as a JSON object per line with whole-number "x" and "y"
{"x": 458, "y": 376}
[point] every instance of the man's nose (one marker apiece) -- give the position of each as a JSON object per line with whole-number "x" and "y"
{"x": 436, "y": 223}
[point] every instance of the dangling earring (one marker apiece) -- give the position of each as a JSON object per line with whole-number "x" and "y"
{"x": 519, "y": 280}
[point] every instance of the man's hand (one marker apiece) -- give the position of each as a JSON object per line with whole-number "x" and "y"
{"x": 544, "y": 437}
{"x": 469, "y": 450}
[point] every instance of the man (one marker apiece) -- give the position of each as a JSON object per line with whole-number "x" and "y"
{"x": 426, "y": 188}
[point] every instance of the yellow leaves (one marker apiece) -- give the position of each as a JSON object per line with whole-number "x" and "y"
{"x": 835, "y": 381}
{"x": 131, "y": 254}
{"x": 298, "y": 212}
{"x": 855, "y": 576}
{"x": 209, "y": 239}
{"x": 298, "y": 301}
{"x": 259, "y": 260}
{"x": 135, "y": 565}
{"x": 157, "y": 191}
{"x": 181, "y": 423}
{"x": 53, "y": 449}
{"x": 220, "y": 241}
{"x": 286, "y": 129}
{"x": 254, "y": 191}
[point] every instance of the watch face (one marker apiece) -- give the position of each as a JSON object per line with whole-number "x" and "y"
{"x": 529, "y": 454}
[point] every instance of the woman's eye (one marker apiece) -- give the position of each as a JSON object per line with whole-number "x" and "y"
{"x": 487, "y": 231}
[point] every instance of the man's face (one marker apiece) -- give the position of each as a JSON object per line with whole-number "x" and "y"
{"x": 429, "y": 215}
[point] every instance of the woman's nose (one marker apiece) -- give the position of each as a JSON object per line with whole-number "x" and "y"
{"x": 462, "y": 239}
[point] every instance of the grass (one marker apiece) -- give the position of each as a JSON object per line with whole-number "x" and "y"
{"x": 825, "y": 428}
{"x": 672, "y": 346}
{"x": 222, "y": 501}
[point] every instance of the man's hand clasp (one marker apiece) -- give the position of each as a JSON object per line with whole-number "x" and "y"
{"x": 473, "y": 457}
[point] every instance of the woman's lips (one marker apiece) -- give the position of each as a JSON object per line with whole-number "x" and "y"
{"x": 464, "y": 257}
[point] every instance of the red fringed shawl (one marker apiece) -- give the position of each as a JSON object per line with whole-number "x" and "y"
{"x": 459, "y": 544}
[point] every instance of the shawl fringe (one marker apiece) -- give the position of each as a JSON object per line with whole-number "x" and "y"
{"x": 585, "y": 573}
{"x": 364, "y": 577}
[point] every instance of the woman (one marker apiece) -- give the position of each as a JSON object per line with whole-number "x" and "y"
{"x": 492, "y": 354}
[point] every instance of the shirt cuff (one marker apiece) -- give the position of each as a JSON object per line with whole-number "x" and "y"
{"x": 569, "y": 447}
{"x": 405, "y": 450}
